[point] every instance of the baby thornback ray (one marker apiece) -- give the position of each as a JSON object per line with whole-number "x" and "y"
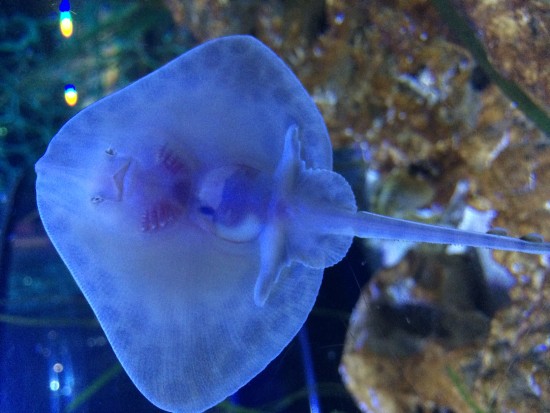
{"x": 197, "y": 210}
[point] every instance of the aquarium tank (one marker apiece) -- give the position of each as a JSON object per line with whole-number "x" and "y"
{"x": 436, "y": 112}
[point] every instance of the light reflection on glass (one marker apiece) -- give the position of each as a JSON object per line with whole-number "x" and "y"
{"x": 54, "y": 385}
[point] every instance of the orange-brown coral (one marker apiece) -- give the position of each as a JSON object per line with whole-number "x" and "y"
{"x": 415, "y": 328}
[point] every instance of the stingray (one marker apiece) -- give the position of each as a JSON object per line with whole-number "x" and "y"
{"x": 197, "y": 209}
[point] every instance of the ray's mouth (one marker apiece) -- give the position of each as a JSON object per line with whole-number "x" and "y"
{"x": 112, "y": 180}
{"x": 119, "y": 178}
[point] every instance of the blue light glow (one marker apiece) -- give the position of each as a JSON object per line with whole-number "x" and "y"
{"x": 54, "y": 385}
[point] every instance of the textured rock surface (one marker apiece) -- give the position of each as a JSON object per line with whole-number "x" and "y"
{"x": 516, "y": 35}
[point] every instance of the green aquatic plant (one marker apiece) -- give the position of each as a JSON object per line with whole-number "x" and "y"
{"x": 463, "y": 391}
{"x": 24, "y": 321}
{"x": 469, "y": 40}
{"x": 96, "y": 385}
